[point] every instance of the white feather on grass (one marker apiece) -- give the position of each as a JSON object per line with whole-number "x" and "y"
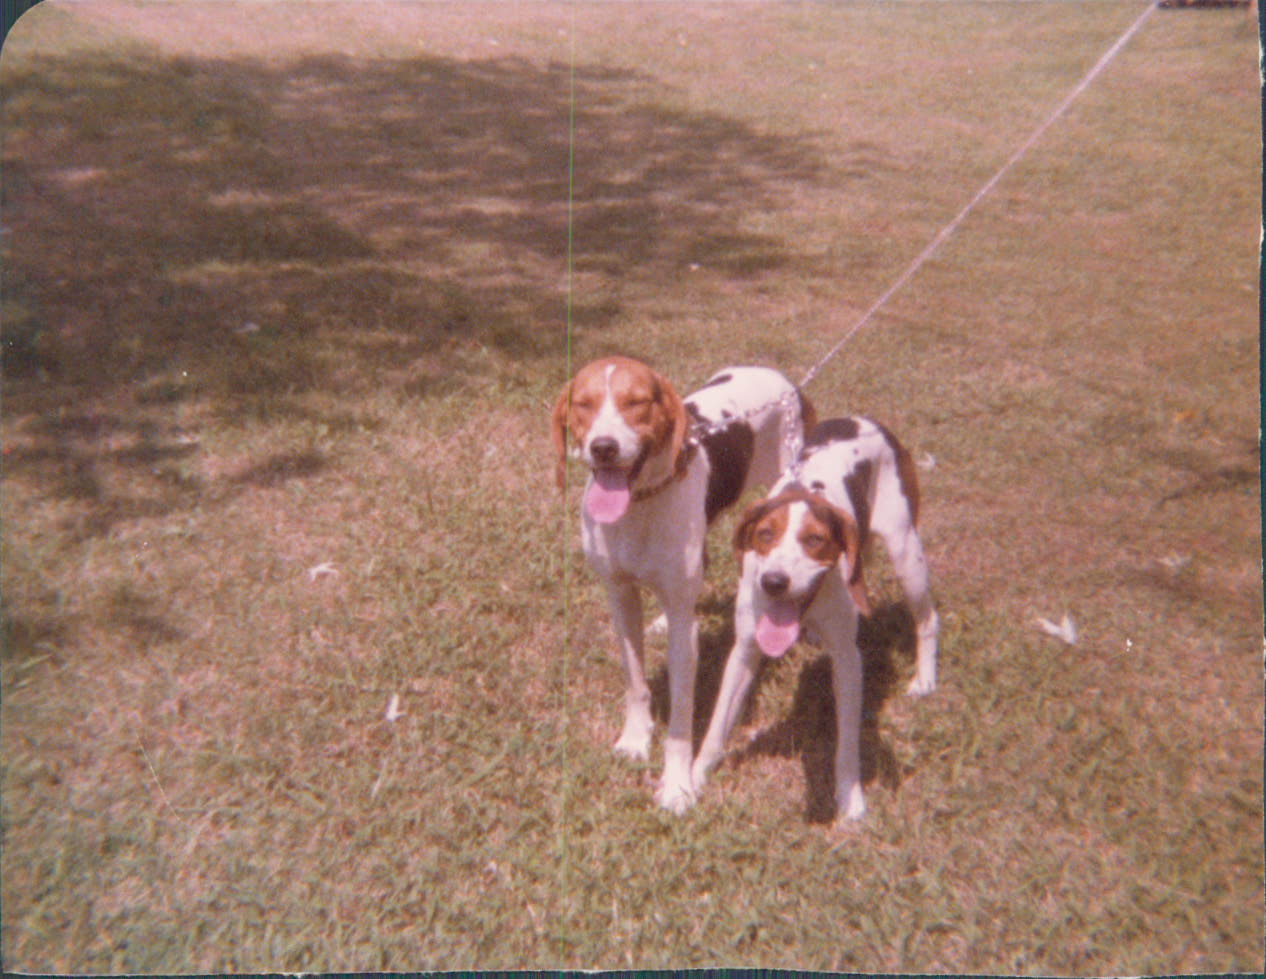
{"x": 1066, "y": 631}
{"x": 322, "y": 570}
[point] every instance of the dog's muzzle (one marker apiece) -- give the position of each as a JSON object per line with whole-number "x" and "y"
{"x": 604, "y": 451}
{"x": 775, "y": 583}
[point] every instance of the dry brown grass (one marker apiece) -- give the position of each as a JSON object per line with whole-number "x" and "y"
{"x": 285, "y": 305}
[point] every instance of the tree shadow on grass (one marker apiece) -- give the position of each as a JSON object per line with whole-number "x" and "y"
{"x": 161, "y": 209}
{"x": 239, "y": 233}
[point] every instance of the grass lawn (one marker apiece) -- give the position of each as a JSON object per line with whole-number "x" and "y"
{"x": 286, "y": 300}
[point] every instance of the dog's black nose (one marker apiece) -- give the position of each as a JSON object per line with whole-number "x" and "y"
{"x": 775, "y": 583}
{"x": 604, "y": 450}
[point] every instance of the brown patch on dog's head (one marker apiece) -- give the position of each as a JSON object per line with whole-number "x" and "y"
{"x": 761, "y": 526}
{"x": 647, "y": 401}
{"x": 827, "y": 535}
{"x": 650, "y": 406}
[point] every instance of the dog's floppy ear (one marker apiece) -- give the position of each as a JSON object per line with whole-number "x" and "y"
{"x": 849, "y": 540}
{"x": 558, "y": 433}
{"x": 672, "y": 405}
{"x": 747, "y": 524}
{"x": 851, "y": 543}
{"x": 857, "y": 588}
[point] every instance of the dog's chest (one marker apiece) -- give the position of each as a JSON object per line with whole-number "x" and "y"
{"x": 657, "y": 538}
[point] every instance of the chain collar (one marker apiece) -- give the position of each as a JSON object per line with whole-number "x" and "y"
{"x": 792, "y": 433}
{"x": 684, "y": 458}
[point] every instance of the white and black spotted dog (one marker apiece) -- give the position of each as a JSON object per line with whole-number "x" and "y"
{"x": 660, "y": 469}
{"x": 801, "y": 554}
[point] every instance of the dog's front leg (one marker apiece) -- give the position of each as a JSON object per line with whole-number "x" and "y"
{"x": 740, "y": 671}
{"x": 676, "y": 792}
{"x": 846, "y": 681}
{"x": 626, "y": 613}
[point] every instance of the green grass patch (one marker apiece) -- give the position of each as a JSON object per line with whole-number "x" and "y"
{"x": 285, "y": 308}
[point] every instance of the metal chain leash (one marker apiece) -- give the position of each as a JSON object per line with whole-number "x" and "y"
{"x": 792, "y": 428}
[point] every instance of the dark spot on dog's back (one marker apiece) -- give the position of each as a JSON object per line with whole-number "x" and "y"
{"x": 832, "y": 430}
{"x": 857, "y": 486}
{"x": 719, "y": 379}
{"x": 729, "y": 458}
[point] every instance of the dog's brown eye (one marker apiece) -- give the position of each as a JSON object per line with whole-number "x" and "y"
{"x": 815, "y": 542}
{"x": 764, "y": 535}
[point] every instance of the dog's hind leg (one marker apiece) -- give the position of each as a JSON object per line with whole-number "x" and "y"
{"x": 906, "y": 551}
{"x": 846, "y": 683}
{"x": 893, "y": 520}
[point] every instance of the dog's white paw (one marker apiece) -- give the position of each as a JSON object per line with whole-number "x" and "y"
{"x": 852, "y": 806}
{"x": 634, "y": 741}
{"x": 675, "y": 797}
{"x": 699, "y": 776}
{"x": 921, "y": 686}
{"x": 659, "y": 627}
{"x": 633, "y": 748}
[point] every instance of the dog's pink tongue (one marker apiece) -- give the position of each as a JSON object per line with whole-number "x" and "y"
{"x": 778, "y": 628}
{"x": 608, "y": 495}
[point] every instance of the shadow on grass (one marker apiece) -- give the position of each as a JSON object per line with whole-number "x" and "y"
{"x": 240, "y": 234}
{"x": 25, "y": 638}
{"x": 808, "y": 731}
{"x": 179, "y": 211}
{"x": 1209, "y": 473}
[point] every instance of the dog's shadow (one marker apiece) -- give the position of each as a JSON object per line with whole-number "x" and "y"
{"x": 808, "y": 730}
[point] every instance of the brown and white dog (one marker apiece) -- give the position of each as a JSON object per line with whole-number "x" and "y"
{"x": 660, "y": 469}
{"x": 801, "y": 554}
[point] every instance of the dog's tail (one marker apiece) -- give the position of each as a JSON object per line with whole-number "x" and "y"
{"x": 908, "y": 474}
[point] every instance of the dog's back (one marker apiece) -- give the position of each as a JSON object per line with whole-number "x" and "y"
{"x": 861, "y": 467}
{"x": 751, "y": 422}
{"x": 858, "y": 465}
